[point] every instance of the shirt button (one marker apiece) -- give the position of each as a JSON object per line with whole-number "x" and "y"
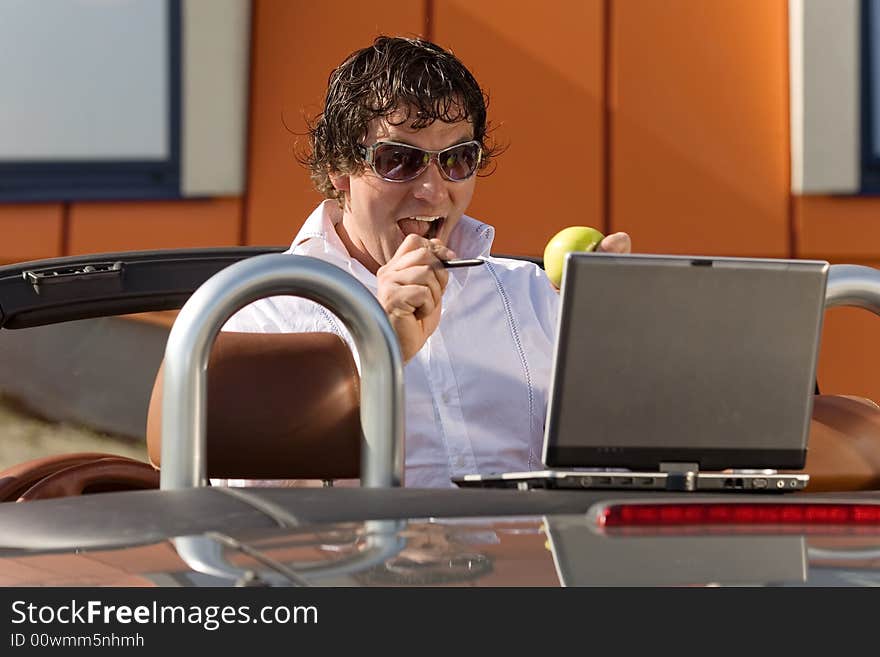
{"x": 444, "y": 397}
{"x": 459, "y": 462}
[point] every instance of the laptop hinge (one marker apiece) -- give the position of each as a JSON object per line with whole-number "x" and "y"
{"x": 679, "y": 467}
{"x": 680, "y": 476}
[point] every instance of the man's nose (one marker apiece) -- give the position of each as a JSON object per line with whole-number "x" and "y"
{"x": 431, "y": 185}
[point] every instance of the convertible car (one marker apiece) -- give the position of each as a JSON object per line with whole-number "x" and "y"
{"x": 100, "y": 519}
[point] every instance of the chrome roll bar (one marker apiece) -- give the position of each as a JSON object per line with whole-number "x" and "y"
{"x": 184, "y": 401}
{"x": 853, "y": 285}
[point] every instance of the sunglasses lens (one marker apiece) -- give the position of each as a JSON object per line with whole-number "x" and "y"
{"x": 399, "y": 163}
{"x": 460, "y": 162}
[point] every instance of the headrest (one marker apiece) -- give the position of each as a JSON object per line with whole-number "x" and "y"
{"x": 280, "y": 406}
{"x": 843, "y": 451}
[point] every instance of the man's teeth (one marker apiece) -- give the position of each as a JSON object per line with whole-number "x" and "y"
{"x": 428, "y": 219}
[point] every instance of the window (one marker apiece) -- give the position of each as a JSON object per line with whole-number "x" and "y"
{"x": 91, "y": 99}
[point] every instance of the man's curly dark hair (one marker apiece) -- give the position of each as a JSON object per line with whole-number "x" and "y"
{"x": 416, "y": 76}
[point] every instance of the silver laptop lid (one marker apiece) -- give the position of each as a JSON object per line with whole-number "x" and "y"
{"x": 706, "y": 360}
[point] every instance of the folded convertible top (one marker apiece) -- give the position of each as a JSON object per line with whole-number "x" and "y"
{"x": 77, "y": 287}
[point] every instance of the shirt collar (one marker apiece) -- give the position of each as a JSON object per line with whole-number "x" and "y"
{"x": 320, "y": 227}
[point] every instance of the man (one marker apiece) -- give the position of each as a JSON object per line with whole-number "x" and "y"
{"x": 396, "y": 151}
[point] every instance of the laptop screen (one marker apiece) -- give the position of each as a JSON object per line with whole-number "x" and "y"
{"x": 682, "y": 359}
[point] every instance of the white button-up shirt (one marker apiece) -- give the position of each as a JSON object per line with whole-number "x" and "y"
{"x": 476, "y": 393}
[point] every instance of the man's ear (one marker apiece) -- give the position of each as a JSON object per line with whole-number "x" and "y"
{"x": 341, "y": 182}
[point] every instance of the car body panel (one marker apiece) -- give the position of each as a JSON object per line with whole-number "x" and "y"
{"x": 409, "y": 537}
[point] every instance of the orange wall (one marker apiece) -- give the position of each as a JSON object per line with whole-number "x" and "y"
{"x": 544, "y": 73}
{"x": 844, "y": 230}
{"x": 296, "y": 45}
{"x": 30, "y": 231}
{"x": 101, "y": 227}
{"x": 41, "y": 230}
{"x": 664, "y": 118}
{"x": 699, "y": 131}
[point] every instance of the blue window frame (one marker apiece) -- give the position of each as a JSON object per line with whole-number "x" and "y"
{"x": 870, "y": 97}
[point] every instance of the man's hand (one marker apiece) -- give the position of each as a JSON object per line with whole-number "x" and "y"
{"x": 411, "y": 288}
{"x": 615, "y": 243}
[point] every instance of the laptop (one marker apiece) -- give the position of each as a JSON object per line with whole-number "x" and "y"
{"x": 680, "y": 373}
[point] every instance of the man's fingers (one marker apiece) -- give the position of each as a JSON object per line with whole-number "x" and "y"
{"x": 417, "y": 250}
{"x": 414, "y": 268}
{"x": 616, "y": 243}
{"x": 441, "y": 251}
{"x": 422, "y": 256}
{"x": 415, "y": 300}
{"x": 425, "y": 275}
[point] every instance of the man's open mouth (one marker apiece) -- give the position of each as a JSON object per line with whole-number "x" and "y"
{"x": 422, "y": 225}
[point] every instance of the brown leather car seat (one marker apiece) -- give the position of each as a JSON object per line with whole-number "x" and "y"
{"x": 24, "y": 479}
{"x": 105, "y": 474}
{"x": 843, "y": 451}
{"x": 280, "y": 406}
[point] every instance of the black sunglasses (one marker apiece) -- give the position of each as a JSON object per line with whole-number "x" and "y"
{"x": 401, "y": 162}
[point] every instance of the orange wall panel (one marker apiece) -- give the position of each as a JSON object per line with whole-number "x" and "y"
{"x": 30, "y": 231}
{"x": 296, "y": 44}
{"x": 838, "y": 227}
{"x": 542, "y": 66}
{"x": 103, "y": 227}
{"x": 844, "y": 230}
{"x": 699, "y": 129}
{"x": 849, "y": 357}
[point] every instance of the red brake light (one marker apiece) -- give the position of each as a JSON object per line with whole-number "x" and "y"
{"x": 727, "y": 513}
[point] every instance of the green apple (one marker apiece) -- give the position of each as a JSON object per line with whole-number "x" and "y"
{"x": 573, "y": 238}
